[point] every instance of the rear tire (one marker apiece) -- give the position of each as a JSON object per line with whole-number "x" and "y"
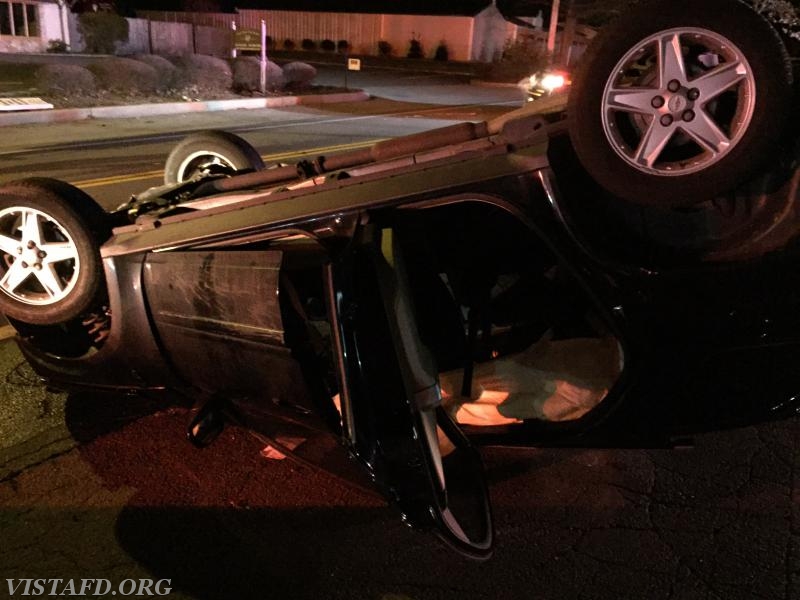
{"x": 210, "y": 152}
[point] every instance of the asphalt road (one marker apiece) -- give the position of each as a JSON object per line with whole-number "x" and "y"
{"x": 107, "y": 487}
{"x": 112, "y": 159}
{"x": 121, "y": 495}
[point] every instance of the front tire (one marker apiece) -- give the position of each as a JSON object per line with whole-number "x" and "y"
{"x": 50, "y": 237}
{"x": 680, "y": 101}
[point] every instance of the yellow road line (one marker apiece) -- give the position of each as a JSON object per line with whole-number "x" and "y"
{"x": 102, "y": 181}
{"x": 117, "y": 179}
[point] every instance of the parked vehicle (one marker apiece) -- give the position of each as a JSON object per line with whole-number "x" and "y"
{"x": 513, "y": 282}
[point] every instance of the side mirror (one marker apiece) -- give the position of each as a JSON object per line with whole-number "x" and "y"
{"x": 461, "y": 509}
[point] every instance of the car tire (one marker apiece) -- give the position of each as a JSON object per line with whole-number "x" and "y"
{"x": 210, "y": 151}
{"x": 674, "y": 129}
{"x": 50, "y": 237}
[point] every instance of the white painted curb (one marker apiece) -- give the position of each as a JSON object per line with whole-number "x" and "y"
{"x": 63, "y": 115}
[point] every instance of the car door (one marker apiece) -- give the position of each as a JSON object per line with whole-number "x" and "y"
{"x": 393, "y": 420}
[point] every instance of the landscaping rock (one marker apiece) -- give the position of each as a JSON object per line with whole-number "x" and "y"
{"x": 247, "y": 75}
{"x": 298, "y": 75}
{"x": 65, "y": 80}
{"x": 167, "y": 72}
{"x": 125, "y": 75}
{"x": 204, "y": 73}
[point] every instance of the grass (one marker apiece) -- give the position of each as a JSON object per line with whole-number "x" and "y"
{"x": 16, "y": 79}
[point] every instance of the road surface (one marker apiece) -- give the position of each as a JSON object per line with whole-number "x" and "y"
{"x": 112, "y": 159}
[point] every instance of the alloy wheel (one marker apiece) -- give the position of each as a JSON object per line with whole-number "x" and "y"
{"x": 678, "y": 102}
{"x": 39, "y": 256}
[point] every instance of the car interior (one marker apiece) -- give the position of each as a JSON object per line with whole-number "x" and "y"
{"x": 513, "y": 333}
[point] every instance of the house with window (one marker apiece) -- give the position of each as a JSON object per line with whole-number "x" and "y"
{"x": 29, "y": 25}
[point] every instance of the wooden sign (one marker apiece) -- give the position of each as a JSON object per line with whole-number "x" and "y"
{"x": 247, "y": 39}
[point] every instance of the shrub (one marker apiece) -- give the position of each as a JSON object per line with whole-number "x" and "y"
{"x": 327, "y": 45}
{"x": 288, "y": 44}
{"x": 247, "y": 75}
{"x": 308, "y": 44}
{"x": 102, "y": 30}
{"x": 442, "y": 53}
{"x": 298, "y": 75}
{"x": 67, "y": 80}
{"x": 414, "y": 49}
{"x": 343, "y": 46}
{"x": 385, "y": 48}
{"x": 57, "y": 46}
{"x": 204, "y": 73}
{"x": 167, "y": 72}
{"x": 125, "y": 75}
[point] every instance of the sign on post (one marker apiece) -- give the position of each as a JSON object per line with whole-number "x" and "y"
{"x": 247, "y": 39}
{"x": 263, "y": 57}
{"x": 353, "y": 64}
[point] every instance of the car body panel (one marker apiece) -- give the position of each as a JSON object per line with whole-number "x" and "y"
{"x": 227, "y": 304}
{"x": 287, "y": 210}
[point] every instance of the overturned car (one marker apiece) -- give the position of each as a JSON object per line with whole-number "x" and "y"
{"x": 516, "y": 282}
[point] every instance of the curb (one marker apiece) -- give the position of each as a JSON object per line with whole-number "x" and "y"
{"x": 492, "y": 84}
{"x": 64, "y": 115}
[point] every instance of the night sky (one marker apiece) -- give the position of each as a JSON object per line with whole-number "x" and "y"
{"x": 370, "y": 6}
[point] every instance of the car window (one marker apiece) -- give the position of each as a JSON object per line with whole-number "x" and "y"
{"x": 514, "y": 335}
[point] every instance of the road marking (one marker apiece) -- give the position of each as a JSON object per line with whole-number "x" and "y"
{"x": 89, "y": 183}
{"x": 103, "y": 181}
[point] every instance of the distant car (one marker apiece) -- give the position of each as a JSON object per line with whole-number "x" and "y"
{"x": 546, "y": 83}
{"x": 509, "y": 282}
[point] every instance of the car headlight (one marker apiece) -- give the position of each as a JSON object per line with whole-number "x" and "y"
{"x": 551, "y": 81}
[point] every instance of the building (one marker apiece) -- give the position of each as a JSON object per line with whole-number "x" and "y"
{"x": 29, "y": 25}
{"x": 477, "y": 32}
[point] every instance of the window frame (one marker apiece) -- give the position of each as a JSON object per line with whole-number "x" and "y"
{"x": 29, "y": 29}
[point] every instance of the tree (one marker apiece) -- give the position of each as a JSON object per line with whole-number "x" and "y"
{"x": 102, "y": 30}
{"x": 202, "y": 6}
{"x": 599, "y": 12}
{"x": 83, "y": 6}
{"x": 591, "y": 12}
{"x": 783, "y": 13}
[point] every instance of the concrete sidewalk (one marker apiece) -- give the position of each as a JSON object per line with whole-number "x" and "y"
{"x": 172, "y": 108}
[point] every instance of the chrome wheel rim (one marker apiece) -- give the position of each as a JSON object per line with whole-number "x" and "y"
{"x": 678, "y": 102}
{"x": 40, "y": 260}
{"x": 202, "y": 162}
